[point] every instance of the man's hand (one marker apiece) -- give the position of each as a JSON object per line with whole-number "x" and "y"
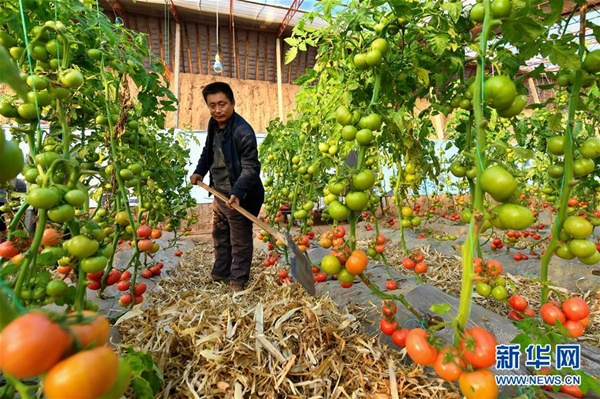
{"x": 196, "y": 178}
{"x": 233, "y": 200}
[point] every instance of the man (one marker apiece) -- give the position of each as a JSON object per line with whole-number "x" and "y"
{"x": 231, "y": 156}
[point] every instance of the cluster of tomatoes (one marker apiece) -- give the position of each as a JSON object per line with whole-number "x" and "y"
{"x": 415, "y": 262}
{"x": 376, "y": 247}
{"x": 490, "y": 282}
{"x": 68, "y": 352}
{"x": 152, "y": 271}
{"x": 408, "y": 217}
{"x": 476, "y": 351}
{"x": 573, "y": 313}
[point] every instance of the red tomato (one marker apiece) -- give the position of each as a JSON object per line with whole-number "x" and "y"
{"x": 155, "y": 270}
{"x": 64, "y": 269}
{"x": 8, "y": 250}
{"x": 550, "y": 314}
{"x": 418, "y": 256}
{"x": 379, "y": 248}
{"x": 139, "y": 299}
{"x": 380, "y": 239}
{"x": 126, "y": 275}
{"x": 146, "y": 273}
{"x": 419, "y": 350}
{"x": 346, "y": 285}
{"x": 321, "y": 277}
{"x": 517, "y": 302}
{"x": 572, "y": 390}
{"x": 399, "y": 337}
{"x": 529, "y": 312}
{"x": 482, "y": 353}
{"x": 574, "y": 327}
{"x": 420, "y": 267}
{"x": 282, "y": 274}
{"x": 178, "y": 253}
{"x": 575, "y": 308}
{"x": 95, "y": 276}
{"x": 113, "y": 276}
{"x": 494, "y": 268}
{"x": 160, "y": 265}
{"x": 125, "y": 299}
{"x": 139, "y": 289}
{"x": 408, "y": 263}
{"x": 144, "y": 232}
{"x": 123, "y": 285}
{"x": 94, "y": 285}
{"x": 339, "y": 231}
{"x": 391, "y": 285}
{"x": 448, "y": 364}
{"x": 514, "y": 315}
{"x": 389, "y": 308}
{"x": 388, "y": 327}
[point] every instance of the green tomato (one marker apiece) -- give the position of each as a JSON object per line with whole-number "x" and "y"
{"x": 39, "y": 82}
{"x": 582, "y": 248}
{"x": 62, "y": 213}
{"x": 371, "y": 122}
{"x": 364, "y": 180}
{"x": 56, "y": 288}
{"x": 360, "y": 61}
{"x": 517, "y": 106}
{"x": 381, "y": 45}
{"x": 76, "y": 197}
{"x": 478, "y": 13}
{"x": 356, "y": 200}
{"x": 563, "y": 81}
{"x": 578, "y": 227}
{"x": 7, "y": 110}
{"x": 498, "y": 182}
{"x": 43, "y": 98}
{"x": 501, "y": 8}
{"x": 338, "y": 211}
{"x": 364, "y": 137}
{"x": 120, "y": 386}
{"x": 556, "y": 145}
{"x": 93, "y": 264}
{"x": 483, "y": 289}
{"x": 82, "y": 247}
{"x": 499, "y": 92}
{"x": 513, "y": 217}
{"x": 27, "y": 111}
{"x": 11, "y": 161}
{"x": 457, "y": 169}
{"x": 42, "y": 198}
{"x": 136, "y": 168}
{"x": 592, "y": 62}
{"x": 331, "y": 265}
{"x": 72, "y": 79}
{"x": 374, "y": 58}
{"x": 415, "y": 221}
{"x": 499, "y": 292}
{"x": 343, "y": 115}
{"x": 592, "y": 260}
{"x": 344, "y": 276}
{"x": 556, "y": 171}
{"x": 590, "y": 148}
{"x": 583, "y": 167}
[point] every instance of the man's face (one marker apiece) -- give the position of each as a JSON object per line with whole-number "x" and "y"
{"x": 220, "y": 107}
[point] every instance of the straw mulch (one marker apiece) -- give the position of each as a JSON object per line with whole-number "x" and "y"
{"x": 268, "y": 341}
{"x": 446, "y": 273}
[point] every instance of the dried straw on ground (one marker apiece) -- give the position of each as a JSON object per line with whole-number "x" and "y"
{"x": 268, "y": 341}
{"x": 446, "y": 273}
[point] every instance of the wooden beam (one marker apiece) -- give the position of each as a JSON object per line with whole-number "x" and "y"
{"x": 279, "y": 85}
{"x": 189, "y": 50}
{"x": 257, "y": 56}
{"x": 295, "y": 6}
{"x": 199, "y": 54}
{"x": 290, "y": 73}
{"x": 171, "y": 52}
{"x": 533, "y": 89}
{"x": 149, "y": 33}
{"x": 176, "y": 80}
{"x": 246, "y": 57}
{"x": 160, "y": 41}
{"x": 209, "y": 51}
{"x": 266, "y": 59}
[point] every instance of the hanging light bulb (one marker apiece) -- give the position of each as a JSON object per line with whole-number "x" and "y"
{"x": 217, "y": 66}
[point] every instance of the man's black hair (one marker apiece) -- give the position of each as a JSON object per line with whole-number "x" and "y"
{"x": 218, "y": 87}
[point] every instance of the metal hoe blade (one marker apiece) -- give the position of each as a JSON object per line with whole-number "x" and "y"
{"x": 300, "y": 266}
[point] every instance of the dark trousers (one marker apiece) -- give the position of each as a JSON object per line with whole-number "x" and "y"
{"x": 232, "y": 235}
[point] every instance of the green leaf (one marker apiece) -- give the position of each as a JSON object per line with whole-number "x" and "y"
{"x": 47, "y": 259}
{"x": 9, "y": 73}
{"x": 142, "y": 388}
{"x": 291, "y": 55}
{"x": 453, "y": 9}
{"x": 423, "y": 74}
{"x": 563, "y": 54}
{"x": 9, "y": 268}
{"x": 555, "y": 122}
{"x": 440, "y": 308}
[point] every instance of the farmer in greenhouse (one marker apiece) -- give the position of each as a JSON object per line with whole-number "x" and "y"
{"x": 231, "y": 156}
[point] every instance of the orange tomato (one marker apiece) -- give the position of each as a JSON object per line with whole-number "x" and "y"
{"x": 87, "y": 374}
{"x": 325, "y": 242}
{"x": 145, "y": 245}
{"x": 449, "y": 366}
{"x": 479, "y": 384}
{"x": 50, "y": 237}
{"x": 94, "y": 333}
{"x": 31, "y": 344}
{"x": 156, "y": 234}
{"x": 357, "y": 262}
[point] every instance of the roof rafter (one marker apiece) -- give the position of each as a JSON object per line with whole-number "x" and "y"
{"x": 294, "y": 7}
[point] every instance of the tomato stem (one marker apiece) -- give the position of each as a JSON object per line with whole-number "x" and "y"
{"x": 31, "y": 253}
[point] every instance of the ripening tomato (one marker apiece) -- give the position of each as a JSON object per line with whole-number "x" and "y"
{"x": 31, "y": 344}
{"x": 93, "y": 333}
{"x": 419, "y": 350}
{"x": 51, "y": 237}
{"x": 448, "y": 364}
{"x": 147, "y": 273}
{"x": 399, "y": 337}
{"x": 479, "y": 384}
{"x": 123, "y": 285}
{"x": 517, "y": 302}
{"x": 408, "y": 263}
{"x": 572, "y": 390}
{"x": 575, "y": 328}
{"x": 389, "y": 308}
{"x": 380, "y": 239}
{"x": 388, "y": 327}
{"x": 126, "y": 275}
{"x": 420, "y": 267}
{"x": 8, "y": 250}
{"x": 87, "y": 374}
{"x": 391, "y": 285}
{"x": 144, "y": 231}
{"x": 418, "y": 256}
{"x": 575, "y": 308}
{"x": 339, "y": 232}
{"x": 113, "y": 277}
{"x": 494, "y": 268}
{"x": 482, "y": 352}
{"x": 550, "y": 314}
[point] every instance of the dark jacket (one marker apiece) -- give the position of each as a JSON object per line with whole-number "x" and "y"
{"x": 241, "y": 157}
